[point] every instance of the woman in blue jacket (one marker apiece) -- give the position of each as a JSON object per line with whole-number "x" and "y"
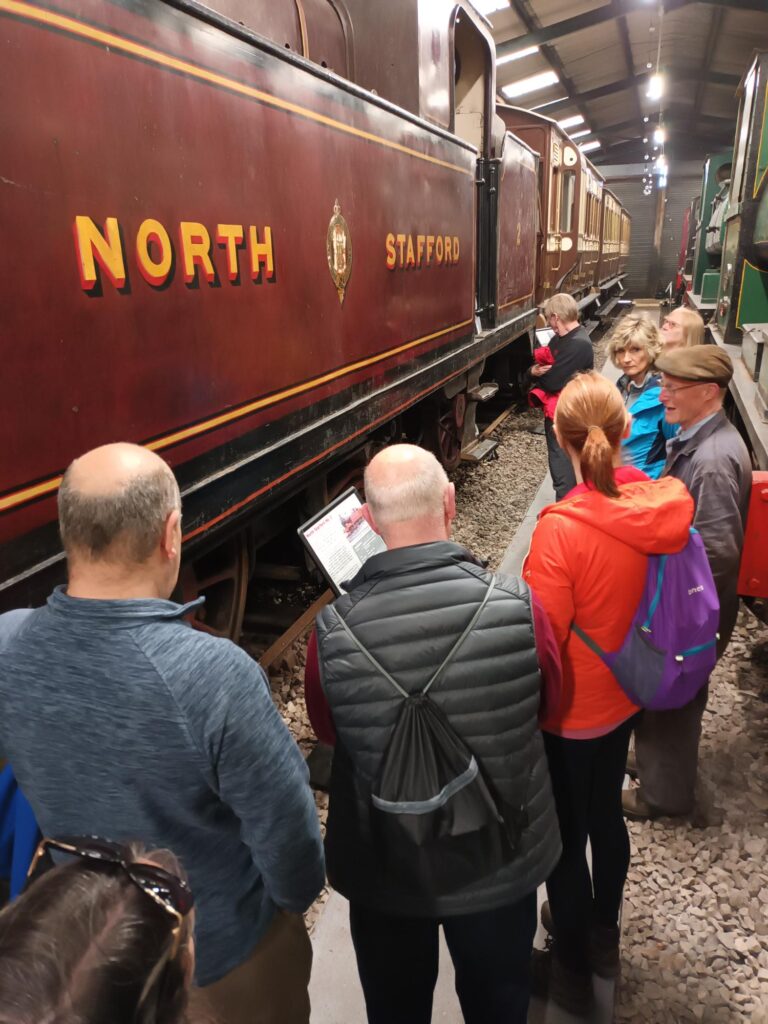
{"x": 633, "y": 347}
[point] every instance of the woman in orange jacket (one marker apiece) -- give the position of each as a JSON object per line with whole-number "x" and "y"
{"x": 587, "y": 565}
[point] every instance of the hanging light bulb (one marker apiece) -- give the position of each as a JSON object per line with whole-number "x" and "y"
{"x": 655, "y": 87}
{"x": 645, "y": 139}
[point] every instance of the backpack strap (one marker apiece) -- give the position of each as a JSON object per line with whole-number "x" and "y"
{"x": 657, "y": 594}
{"x": 585, "y": 638}
{"x": 446, "y": 661}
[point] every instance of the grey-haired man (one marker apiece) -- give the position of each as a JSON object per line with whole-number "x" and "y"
{"x": 711, "y": 459}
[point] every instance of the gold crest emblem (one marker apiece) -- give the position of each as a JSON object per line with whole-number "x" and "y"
{"x": 338, "y": 246}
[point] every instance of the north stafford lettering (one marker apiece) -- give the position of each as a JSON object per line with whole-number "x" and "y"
{"x": 105, "y": 251}
{"x": 414, "y": 251}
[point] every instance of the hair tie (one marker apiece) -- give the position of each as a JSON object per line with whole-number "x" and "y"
{"x": 592, "y": 427}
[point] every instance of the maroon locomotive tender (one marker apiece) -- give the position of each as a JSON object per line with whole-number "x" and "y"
{"x": 237, "y": 236}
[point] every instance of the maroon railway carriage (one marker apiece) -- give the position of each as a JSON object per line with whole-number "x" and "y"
{"x": 569, "y": 193}
{"x": 610, "y": 238}
{"x": 219, "y": 243}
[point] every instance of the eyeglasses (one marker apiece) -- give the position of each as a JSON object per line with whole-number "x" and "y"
{"x": 666, "y": 322}
{"x": 682, "y": 387}
{"x": 166, "y": 890}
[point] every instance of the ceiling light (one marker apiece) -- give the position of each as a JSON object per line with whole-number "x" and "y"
{"x": 660, "y": 136}
{"x": 571, "y": 122}
{"x": 645, "y": 120}
{"x": 534, "y": 83}
{"x": 662, "y": 181}
{"x": 647, "y": 157}
{"x": 645, "y": 138}
{"x": 587, "y": 147}
{"x": 581, "y": 134}
{"x": 649, "y": 65}
{"x": 487, "y": 7}
{"x": 527, "y": 52}
{"x": 655, "y": 87}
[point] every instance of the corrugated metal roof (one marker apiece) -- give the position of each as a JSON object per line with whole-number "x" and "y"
{"x": 602, "y": 59}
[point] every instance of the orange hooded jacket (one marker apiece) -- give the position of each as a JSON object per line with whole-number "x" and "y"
{"x": 587, "y": 563}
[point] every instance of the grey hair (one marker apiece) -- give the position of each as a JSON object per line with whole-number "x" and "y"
{"x": 635, "y": 329}
{"x": 416, "y": 494}
{"x": 122, "y": 526}
{"x": 562, "y": 305}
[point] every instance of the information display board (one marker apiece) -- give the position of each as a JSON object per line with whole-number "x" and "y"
{"x": 340, "y": 540}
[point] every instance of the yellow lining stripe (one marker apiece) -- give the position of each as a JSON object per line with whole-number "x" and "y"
{"x": 48, "y": 486}
{"x": 115, "y": 42}
{"x": 520, "y": 298}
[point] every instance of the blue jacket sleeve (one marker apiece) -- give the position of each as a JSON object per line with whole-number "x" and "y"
{"x": 261, "y": 775}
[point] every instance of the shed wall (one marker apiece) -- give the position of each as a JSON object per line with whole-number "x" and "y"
{"x": 641, "y": 279}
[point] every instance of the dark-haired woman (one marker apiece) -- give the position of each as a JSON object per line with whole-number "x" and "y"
{"x": 103, "y": 938}
{"x": 587, "y": 565}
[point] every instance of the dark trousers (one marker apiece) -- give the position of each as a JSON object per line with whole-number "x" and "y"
{"x": 587, "y": 778}
{"x": 560, "y": 468}
{"x": 667, "y": 751}
{"x": 397, "y": 958}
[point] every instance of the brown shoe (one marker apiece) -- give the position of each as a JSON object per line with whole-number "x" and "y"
{"x": 636, "y": 808}
{"x": 604, "y": 957}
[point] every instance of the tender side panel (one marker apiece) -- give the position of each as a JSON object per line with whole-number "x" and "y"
{"x": 518, "y": 183}
{"x": 167, "y": 198}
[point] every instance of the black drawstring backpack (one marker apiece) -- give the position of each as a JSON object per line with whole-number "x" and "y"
{"x": 435, "y": 820}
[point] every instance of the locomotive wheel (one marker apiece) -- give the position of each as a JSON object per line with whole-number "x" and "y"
{"x": 444, "y": 429}
{"x": 221, "y": 576}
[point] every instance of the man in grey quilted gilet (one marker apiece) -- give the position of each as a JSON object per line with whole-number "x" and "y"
{"x": 408, "y": 606}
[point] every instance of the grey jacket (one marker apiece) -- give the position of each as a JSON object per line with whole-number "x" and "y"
{"x": 122, "y": 721}
{"x": 408, "y": 607}
{"x": 714, "y": 465}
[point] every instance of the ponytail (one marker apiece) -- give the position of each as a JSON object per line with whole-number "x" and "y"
{"x": 590, "y": 418}
{"x": 597, "y": 462}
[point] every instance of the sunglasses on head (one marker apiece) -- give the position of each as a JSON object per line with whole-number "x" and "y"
{"x": 163, "y": 888}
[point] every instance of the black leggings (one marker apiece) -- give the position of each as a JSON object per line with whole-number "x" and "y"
{"x": 587, "y": 777}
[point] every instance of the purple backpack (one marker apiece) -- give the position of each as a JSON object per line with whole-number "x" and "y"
{"x": 670, "y": 648}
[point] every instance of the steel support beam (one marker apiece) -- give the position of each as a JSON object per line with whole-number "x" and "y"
{"x": 638, "y": 81}
{"x": 538, "y": 36}
{"x": 524, "y": 13}
{"x": 672, "y": 115}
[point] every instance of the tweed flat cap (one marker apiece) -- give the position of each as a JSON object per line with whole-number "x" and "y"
{"x": 703, "y": 363}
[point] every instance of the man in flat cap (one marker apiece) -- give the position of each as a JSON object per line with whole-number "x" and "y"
{"x": 711, "y": 459}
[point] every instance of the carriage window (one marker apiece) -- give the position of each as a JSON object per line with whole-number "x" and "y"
{"x": 556, "y": 195}
{"x": 566, "y": 205}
